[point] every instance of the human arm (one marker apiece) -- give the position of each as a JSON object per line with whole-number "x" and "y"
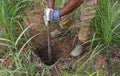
{"x": 70, "y": 6}
{"x": 54, "y": 15}
{"x": 51, "y": 3}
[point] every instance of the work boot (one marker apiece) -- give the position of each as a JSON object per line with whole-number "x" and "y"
{"x": 79, "y": 49}
{"x": 57, "y": 32}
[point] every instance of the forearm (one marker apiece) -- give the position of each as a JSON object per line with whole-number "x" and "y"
{"x": 51, "y": 3}
{"x": 70, "y": 6}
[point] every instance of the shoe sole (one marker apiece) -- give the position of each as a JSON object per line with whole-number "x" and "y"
{"x": 58, "y": 35}
{"x": 55, "y": 36}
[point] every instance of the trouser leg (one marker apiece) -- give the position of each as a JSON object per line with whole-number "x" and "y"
{"x": 87, "y": 14}
{"x": 65, "y": 20}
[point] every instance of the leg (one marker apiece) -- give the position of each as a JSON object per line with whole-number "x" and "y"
{"x": 63, "y": 24}
{"x": 64, "y": 19}
{"x": 87, "y": 14}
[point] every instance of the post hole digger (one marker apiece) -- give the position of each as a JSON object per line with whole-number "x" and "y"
{"x": 47, "y": 24}
{"x": 48, "y": 53}
{"x": 49, "y": 42}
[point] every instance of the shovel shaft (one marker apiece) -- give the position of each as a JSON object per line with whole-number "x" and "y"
{"x": 49, "y": 45}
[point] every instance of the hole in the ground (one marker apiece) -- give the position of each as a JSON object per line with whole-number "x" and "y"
{"x": 43, "y": 54}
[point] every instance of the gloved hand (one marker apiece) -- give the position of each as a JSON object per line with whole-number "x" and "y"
{"x": 51, "y": 15}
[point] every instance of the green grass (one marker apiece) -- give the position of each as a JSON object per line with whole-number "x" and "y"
{"x": 105, "y": 27}
{"x": 105, "y": 23}
{"x": 12, "y": 34}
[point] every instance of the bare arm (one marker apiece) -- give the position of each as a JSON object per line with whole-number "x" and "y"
{"x": 54, "y": 15}
{"x": 70, "y": 6}
{"x": 51, "y": 3}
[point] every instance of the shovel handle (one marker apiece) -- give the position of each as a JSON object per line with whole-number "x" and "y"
{"x": 49, "y": 45}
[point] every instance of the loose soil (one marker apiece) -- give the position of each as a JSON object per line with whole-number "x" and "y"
{"x": 61, "y": 47}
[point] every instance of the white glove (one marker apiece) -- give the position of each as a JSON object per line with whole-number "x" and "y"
{"x": 51, "y": 15}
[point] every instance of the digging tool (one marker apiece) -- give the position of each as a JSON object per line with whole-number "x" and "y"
{"x": 49, "y": 16}
{"x": 47, "y": 23}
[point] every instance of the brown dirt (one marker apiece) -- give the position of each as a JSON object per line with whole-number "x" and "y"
{"x": 99, "y": 61}
{"x": 61, "y": 46}
{"x": 115, "y": 51}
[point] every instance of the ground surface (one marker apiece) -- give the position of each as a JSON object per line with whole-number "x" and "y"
{"x": 61, "y": 47}
{"x": 63, "y": 44}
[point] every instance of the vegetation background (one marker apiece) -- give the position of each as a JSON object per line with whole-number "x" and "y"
{"x": 17, "y": 56}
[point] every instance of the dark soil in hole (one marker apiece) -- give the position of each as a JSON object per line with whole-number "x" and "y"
{"x": 43, "y": 54}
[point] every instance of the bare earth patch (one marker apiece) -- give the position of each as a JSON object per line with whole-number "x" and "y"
{"x": 61, "y": 46}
